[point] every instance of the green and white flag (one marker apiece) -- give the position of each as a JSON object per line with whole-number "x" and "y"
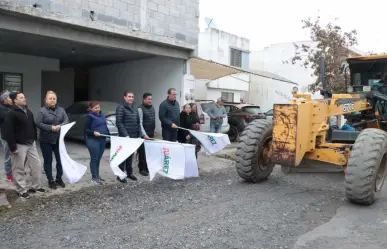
{"x": 211, "y": 142}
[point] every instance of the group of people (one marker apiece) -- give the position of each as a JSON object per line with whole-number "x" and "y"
{"x": 19, "y": 134}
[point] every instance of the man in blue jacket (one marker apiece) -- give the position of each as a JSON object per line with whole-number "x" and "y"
{"x": 128, "y": 125}
{"x": 169, "y": 115}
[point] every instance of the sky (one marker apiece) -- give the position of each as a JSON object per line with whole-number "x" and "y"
{"x": 279, "y": 21}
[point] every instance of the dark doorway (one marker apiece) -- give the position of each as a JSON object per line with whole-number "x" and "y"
{"x": 81, "y": 84}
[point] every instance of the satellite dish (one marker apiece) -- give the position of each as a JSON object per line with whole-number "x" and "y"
{"x": 210, "y": 22}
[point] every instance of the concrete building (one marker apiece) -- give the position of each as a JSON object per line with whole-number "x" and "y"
{"x": 226, "y": 49}
{"x": 95, "y": 49}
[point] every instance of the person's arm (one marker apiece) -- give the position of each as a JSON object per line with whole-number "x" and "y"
{"x": 141, "y": 120}
{"x": 120, "y": 121}
{"x": 224, "y": 113}
{"x": 184, "y": 124}
{"x": 163, "y": 115}
{"x": 65, "y": 118}
{"x": 8, "y": 131}
{"x": 39, "y": 122}
{"x": 88, "y": 130}
{"x": 210, "y": 113}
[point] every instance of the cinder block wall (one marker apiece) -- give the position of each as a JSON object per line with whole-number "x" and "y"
{"x": 170, "y": 21}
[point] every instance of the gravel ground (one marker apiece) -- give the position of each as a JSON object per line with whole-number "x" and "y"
{"x": 216, "y": 211}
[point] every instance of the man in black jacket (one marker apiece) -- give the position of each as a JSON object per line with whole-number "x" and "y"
{"x": 19, "y": 130}
{"x": 5, "y": 104}
{"x": 169, "y": 115}
{"x": 128, "y": 125}
{"x": 147, "y": 116}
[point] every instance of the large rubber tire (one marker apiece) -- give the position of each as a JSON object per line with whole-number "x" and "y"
{"x": 367, "y": 161}
{"x": 249, "y": 162}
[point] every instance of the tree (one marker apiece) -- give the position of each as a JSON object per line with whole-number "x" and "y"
{"x": 331, "y": 43}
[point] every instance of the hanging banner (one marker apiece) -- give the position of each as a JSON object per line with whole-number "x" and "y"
{"x": 173, "y": 160}
{"x": 73, "y": 170}
{"x": 211, "y": 142}
{"x": 120, "y": 149}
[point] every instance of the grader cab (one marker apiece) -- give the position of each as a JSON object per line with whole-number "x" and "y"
{"x": 301, "y": 130}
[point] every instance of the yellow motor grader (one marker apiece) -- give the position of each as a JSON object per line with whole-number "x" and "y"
{"x": 301, "y": 130}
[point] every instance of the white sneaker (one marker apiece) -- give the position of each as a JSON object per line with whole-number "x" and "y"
{"x": 96, "y": 182}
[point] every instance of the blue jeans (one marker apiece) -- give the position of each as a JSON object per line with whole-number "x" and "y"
{"x": 215, "y": 128}
{"x": 7, "y": 158}
{"x": 169, "y": 135}
{"x": 47, "y": 149}
{"x": 96, "y": 148}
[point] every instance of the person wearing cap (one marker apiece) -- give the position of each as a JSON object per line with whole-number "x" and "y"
{"x": 217, "y": 113}
{"x": 20, "y": 132}
{"x": 5, "y": 104}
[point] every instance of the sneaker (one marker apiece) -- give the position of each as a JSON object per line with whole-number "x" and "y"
{"x": 25, "y": 196}
{"x": 10, "y": 178}
{"x": 101, "y": 180}
{"x": 121, "y": 181}
{"x": 96, "y": 182}
{"x": 132, "y": 177}
{"x": 144, "y": 173}
{"x": 60, "y": 183}
{"x": 52, "y": 185}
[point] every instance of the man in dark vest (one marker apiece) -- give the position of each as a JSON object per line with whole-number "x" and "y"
{"x": 128, "y": 125}
{"x": 169, "y": 115}
{"x": 147, "y": 124}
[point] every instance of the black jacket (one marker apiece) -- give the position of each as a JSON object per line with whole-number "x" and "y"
{"x": 169, "y": 112}
{"x": 3, "y": 113}
{"x": 128, "y": 121}
{"x": 19, "y": 128}
{"x": 186, "y": 121}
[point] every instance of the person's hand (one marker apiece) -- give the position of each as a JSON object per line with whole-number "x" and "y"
{"x": 15, "y": 152}
{"x": 146, "y": 137}
{"x": 187, "y": 137}
{"x": 174, "y": 126}
{"x": 54, "y": 128}
{"x": 97, "y": 134}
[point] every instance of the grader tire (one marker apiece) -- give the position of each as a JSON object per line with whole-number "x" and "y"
{"x": 366, "y": 167}
{"x": 254, "y": 139}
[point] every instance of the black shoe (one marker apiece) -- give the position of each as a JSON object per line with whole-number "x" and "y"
{"x": 25, "y": 196}
{"x": 121, "y": 181}
{"x": 52, "y": 185}
{"x": 60, "y": 183}
{"x": 132, "y": 177}
{"x": 144, "y": 173}
{"x": 102, "y": 180}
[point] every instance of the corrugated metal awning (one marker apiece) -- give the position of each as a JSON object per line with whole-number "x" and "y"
{"x": 203, "y": 69}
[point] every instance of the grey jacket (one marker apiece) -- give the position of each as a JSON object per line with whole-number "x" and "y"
{"x": 218, "y": 112}
{"x": 46, "y": 118}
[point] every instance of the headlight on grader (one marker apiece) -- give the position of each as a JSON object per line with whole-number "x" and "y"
{"x": 295, "y": 89}
{"x": 366, "y": 88}
{"x": 350, "y": 89}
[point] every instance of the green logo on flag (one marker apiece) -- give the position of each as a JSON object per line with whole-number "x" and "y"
{"x": 115, "y": 154}
{"x": 166, "y": 160}
{"x": 212, "y": 139}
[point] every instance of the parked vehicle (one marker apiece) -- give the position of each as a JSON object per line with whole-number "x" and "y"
{"x": 239, "y": 115}
{"x": 77, "y": 113}
{"x": 269, "y": 114}
{"x": 202, "y": 108}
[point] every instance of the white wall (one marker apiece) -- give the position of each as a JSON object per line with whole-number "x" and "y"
{"x": 266, "y": 92}
{"x": 271, "y": 59}
{"x": 215, "y": 45}
{"x": 62, "y": 83}
{"x": 31, "y": 67}
{"x": 153, "y": 75}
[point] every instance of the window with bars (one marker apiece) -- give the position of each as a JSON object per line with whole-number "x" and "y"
{"x": 227, "y": 96}
{"x": 235, "y": 57}
{"x": 12, "y": 81}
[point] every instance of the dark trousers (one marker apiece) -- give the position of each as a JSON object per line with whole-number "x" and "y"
{"x": 96, "y": 148}
{"x": 169, "y": 135}
{"x": 142, "y": 165}
{"x": 127, "y": 166}
{"x": 47, "y": 150}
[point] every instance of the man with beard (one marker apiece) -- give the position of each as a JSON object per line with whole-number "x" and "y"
{"x": 146, "y": 112}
